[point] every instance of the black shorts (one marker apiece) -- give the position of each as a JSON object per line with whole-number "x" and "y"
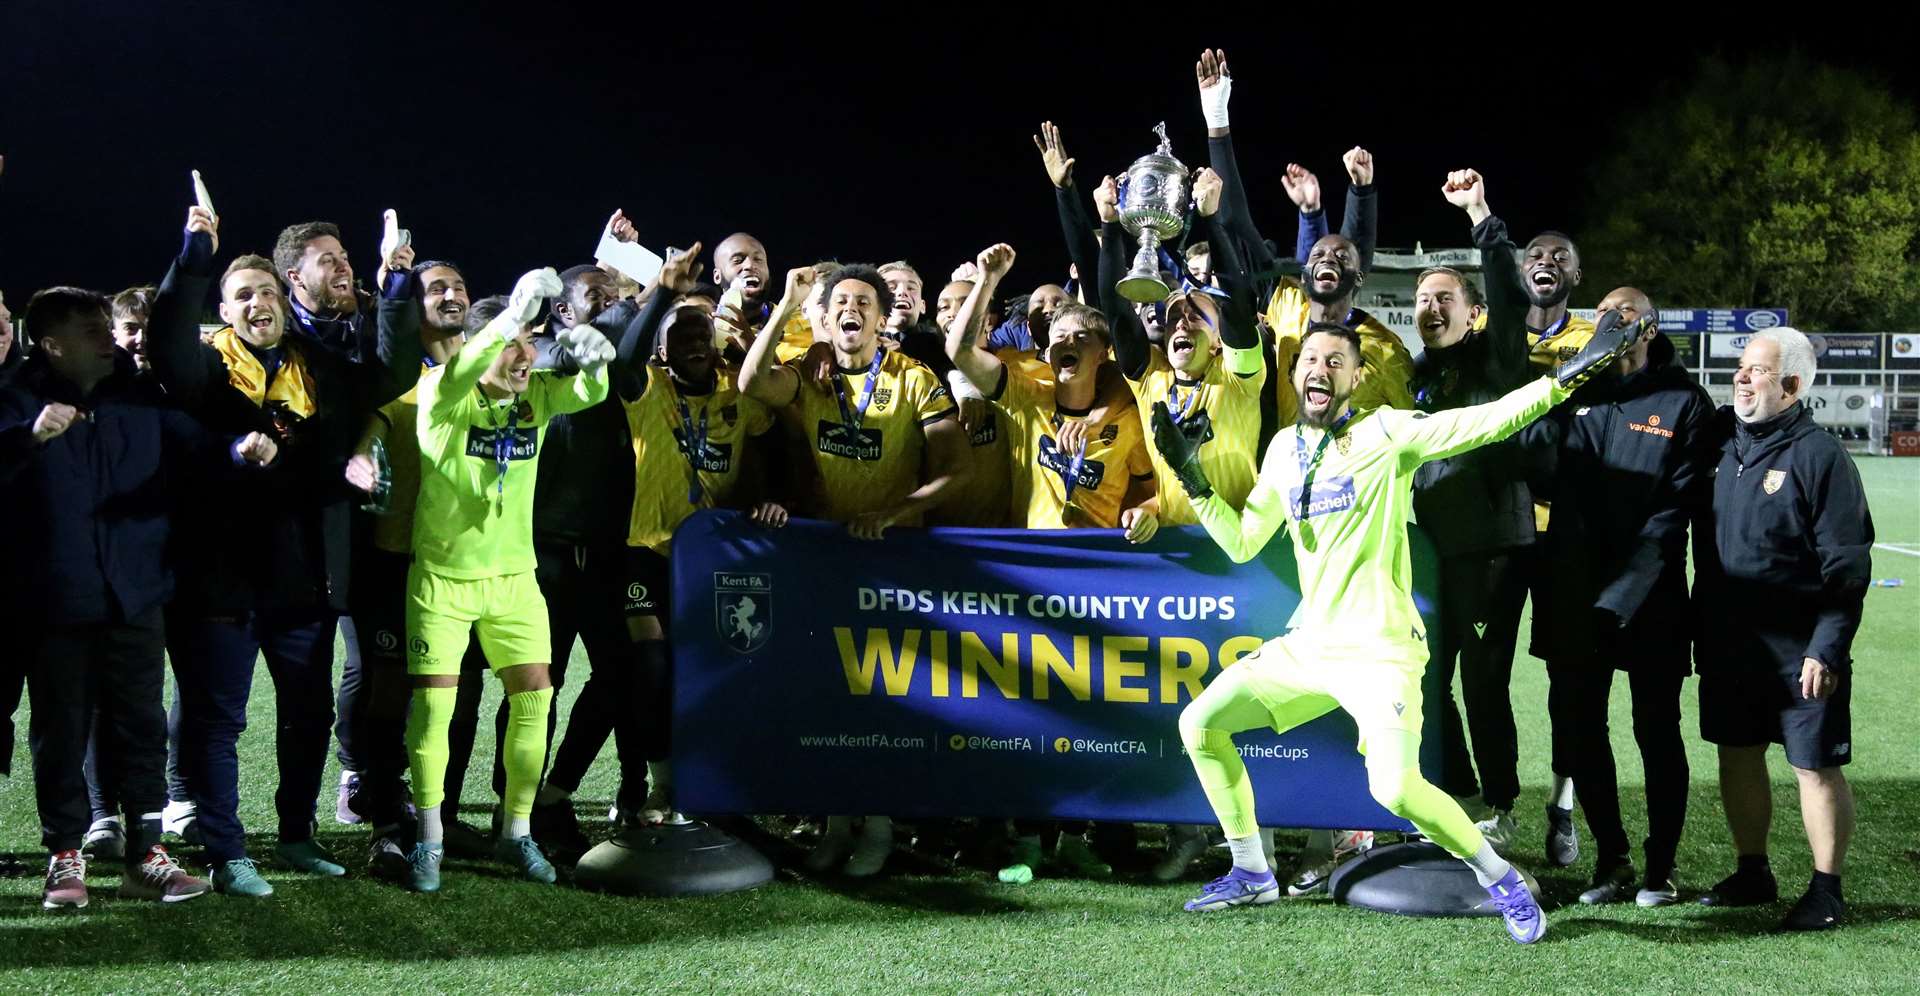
{"x": 649, "y": 584}
{"x": 1749, "y": 708}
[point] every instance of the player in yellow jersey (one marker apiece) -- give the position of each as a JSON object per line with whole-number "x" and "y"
{"x": 1324, "y": 292}
{"x": 985, "y": 500}
{"x": 692, "y": 430}
{"x": 379, "y": 588}
{"x": 1215, "y": 399}
{"x": 885, "y": 443}
{"x": 1085, "y": 463}
{"x": 1089, "y": 467}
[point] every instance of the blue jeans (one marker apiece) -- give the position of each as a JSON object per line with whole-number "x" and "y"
{"x": 214, "y": 661}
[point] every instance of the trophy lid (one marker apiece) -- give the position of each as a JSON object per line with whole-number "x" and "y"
{"x": 1161, "y": 159}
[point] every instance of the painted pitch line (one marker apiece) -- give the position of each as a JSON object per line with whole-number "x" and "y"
{"x": 1889, "y": 547}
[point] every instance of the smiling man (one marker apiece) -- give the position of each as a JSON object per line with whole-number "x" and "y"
{"x": 886, "y": 446}
{"x": 1782, "y": 559}
{"x": 273, "y": 583}
{"x": 1342, "y": 486}
{"x": 1215, "y": 398}
{"x": 481, "y": 422}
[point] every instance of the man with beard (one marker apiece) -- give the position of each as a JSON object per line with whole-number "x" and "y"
{"x": 985, "y": 498}
{"x": 380, "y": 572}
{"x": 272, "y": 581}
{"x": 481, "y": 423}
{"x": 1215, "y": 401}
{"x": 741, "y": 270}
{"x": 1478, "y": 511}
{"x": 692, "y": 433}
{"x": 1631, "y": 467}
{"x": 1782, "y": 559}
{"x": 1548, "y": 271}
{"x": 1324, "y": 293}
{"x": 328, "y": 309}
{"x": 881, "y": 418}
{"x": 1356, "y": 641}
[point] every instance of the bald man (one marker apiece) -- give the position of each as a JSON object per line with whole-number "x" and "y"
{"x": 740, "y": 268}
{"x": 1633, "y": 469}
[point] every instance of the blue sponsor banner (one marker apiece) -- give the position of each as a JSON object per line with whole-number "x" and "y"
{"x": 1720, "y": 319}
{"x": 964, "y": 672}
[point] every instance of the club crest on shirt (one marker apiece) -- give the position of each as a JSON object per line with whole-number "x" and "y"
{"x": 881, "y": 396}
{"x": 1343, "y": 443}
{"x": 1566, "y": 353}
{"x": 1110, "y": 433}
{"x": 1772, "y": 482}
{"x": 743, "y": 610}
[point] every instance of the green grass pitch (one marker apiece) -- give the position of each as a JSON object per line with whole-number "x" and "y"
{"x": 964, "y": 932}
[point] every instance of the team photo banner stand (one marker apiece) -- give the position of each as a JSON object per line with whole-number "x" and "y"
{"x": 982, "y": 672}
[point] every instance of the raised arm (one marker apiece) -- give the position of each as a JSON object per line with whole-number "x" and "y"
{"x": 398, "y": 351}
{"x": 1361, "y": 225}
{"x": 760, "y": 377}
{"x": 1238, "y": 329}
{"x": 1245, "y": 533}
{"x": 1082, "y": 247}
{"x": 644, "y": 335}
{"x": 179, "y": 358}
{"x": 1506, "y": 329}
{"x": 1130, "y": 347}
{"x": 1216, "y": 90}
{"x": 464, "y": 370}
{"x": 1423, "y": 436}
{"x": 964, "y": 347}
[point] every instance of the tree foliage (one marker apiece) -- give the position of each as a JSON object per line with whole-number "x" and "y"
{"x": 1779, "y": 183}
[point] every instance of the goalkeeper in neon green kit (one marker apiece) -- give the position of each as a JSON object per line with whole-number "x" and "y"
{"x": 1342, "y": 481}
{"x": 481, "y": 420}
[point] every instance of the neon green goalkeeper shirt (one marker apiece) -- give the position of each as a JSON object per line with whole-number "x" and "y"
{"x": 479, "y": 458}
{"x": 1350, "y": 531}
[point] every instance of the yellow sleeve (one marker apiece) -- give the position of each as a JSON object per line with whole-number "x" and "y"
{"x": 932, "y": 402}
{"x": 1389, "y": 369}
{"x": 755, "y": 415}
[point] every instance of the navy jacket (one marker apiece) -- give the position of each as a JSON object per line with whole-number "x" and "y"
{"x": 274, "y": 542}
{"x": 1478, "y": 502}
{"x": 91, "y": 507}
{"x": 1783, "y": 554}
{"x": 1633, "y": 456}
{"x": 583, "y": 495}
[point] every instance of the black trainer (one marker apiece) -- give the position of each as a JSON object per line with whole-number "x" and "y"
{"x": 387, "y": 855}
{"x": 1817, "y": 910}
{"x": 557, "y": 829}
{"x": 1746, "y": 887}
{"x": 1563, "y": 841}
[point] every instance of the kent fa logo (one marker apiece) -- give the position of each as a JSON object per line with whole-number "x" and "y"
{"x": 1772, "y": 482}
{"x": 743, "y": 610}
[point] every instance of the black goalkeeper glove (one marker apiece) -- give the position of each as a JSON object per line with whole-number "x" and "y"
{"x": 1611, "y": 338}
{"x": 1181, "y": 454}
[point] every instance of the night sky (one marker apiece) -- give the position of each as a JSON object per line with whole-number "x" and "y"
{"x": 504, "y": 141}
